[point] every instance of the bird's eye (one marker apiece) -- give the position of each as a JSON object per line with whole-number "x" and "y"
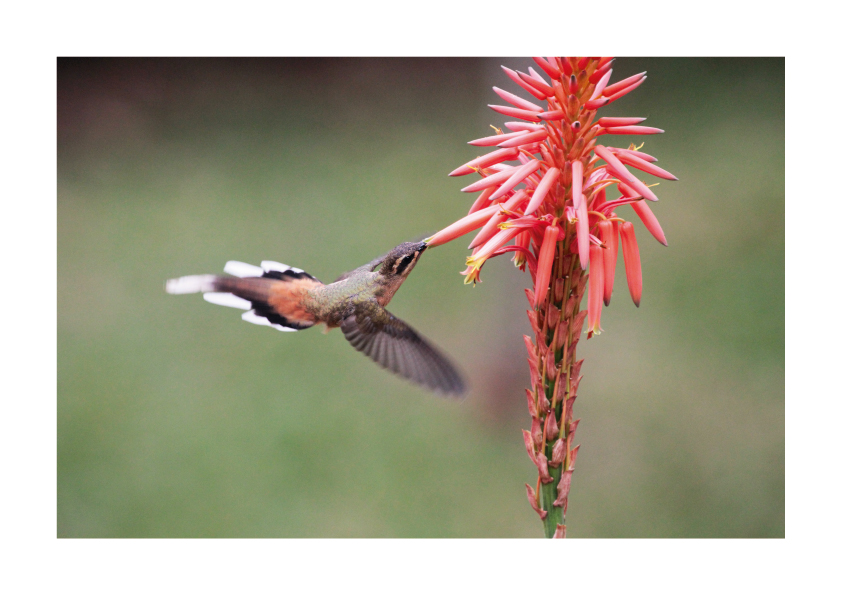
{"x": 404, "y": 262}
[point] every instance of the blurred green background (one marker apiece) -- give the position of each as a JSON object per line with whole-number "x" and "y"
{"x": 176, "y": 419}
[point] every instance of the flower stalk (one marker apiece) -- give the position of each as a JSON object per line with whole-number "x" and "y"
{"x": 553, "y": 208}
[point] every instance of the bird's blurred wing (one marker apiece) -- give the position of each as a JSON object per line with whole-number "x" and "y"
{"x": 396, "y": 346}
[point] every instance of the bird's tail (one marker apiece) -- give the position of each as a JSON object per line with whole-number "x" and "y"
{"x": 270, "y": 294}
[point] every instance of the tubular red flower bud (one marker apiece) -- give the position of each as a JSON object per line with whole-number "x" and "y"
{"x": 620, "y": 85}
{"x": 557, "y": 114}
{"x": 607, "y": 122}
{"x": 524, "y": 85}
{"x": 582, "y": 234}
{"x": 541, "y": 191}
{"x": 482, "y": 201}
{"x": 629, "y": 158}
{"x": 604, "y": 60}
{"x": 494, "y": 140}
{"x": 536, "y": 82}
{"x": 638, "y": 154}
{"x": 517, "y": 101}
{"x": 560, "y": 532}
{"x": 625, "y": 91}
{"x": 487, "y": 160}
{"x": 610, "y": 232}
{"x": 492, "y": 180}
{"x": 600, "y": 85}
{"x": 566, "y": 66}
{"x": 516, "y": 178}
{"x": 620, "y": 171}
{"x": 597, "y": 103}
{"x": 519, "y": 126}
{"x": 491, "y": 245}
{"x": 630, "y": 130}
{"x": 464, "y": 225}
{"x": 545, "y": 264}
{"x": 515, "y": 112}
{"x": 649, "y": 221}
{"x": 576, "y": 192}
{"x": 525, "y": 139}
{"x": 596, "y": 289}
{"x": 600, "y": 72}
{"x": 551, "y": 70}
{"x": 490, "y": 228}
{"x": 631, "y": 258}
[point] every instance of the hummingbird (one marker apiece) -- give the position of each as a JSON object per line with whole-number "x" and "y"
{"x": 288, "y": 299}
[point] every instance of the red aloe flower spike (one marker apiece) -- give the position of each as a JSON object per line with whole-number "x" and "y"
{"x": 625, "y": 91}
{"x": 464, "y": 225}
{"x": 504, "y": 211}
{"x": 596, "y": 289}
{"x": 516, "y": 178}
{"x": 620, "y": 85}
{"x": 630, "y": 130}
{"x": 525, "y": 139}
{"x": 517, "y": 101}
{"x": 519, "y": 126}
{"x": 631, "y": 258}
{"x": 560, "y": 532}
{"x": 551, "y": 70}
{"x": 557, "y": 165}
{"x": 541, "y": 191}
{"x": 492, "y": 158}
{"x": 525, "y": 86}
{"x": 630, "y": 159}
{"x": 515, "y": 112}
{"x": 533, "y": 501}
{"x": 620, "y": 171}
{"x": 492, "y": 180}
{"x": 600, "y": 85}
{"x": 607, "y": 122}
{"x": 545, "y": 264}
{"x": 610, "y": 232}
{"x": 649, "y": 220}
{"x": 494, "y": 140}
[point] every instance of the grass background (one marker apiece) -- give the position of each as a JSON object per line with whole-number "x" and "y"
{"x": 176, "y": 419}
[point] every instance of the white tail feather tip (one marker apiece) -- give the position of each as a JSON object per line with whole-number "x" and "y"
{"x": 190, "y": 284}
{"x": 271, "y": 265}
{"x": 253, "y": 318}
{"x": 227, "y": 299}
{"x": 242, "y": 269}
